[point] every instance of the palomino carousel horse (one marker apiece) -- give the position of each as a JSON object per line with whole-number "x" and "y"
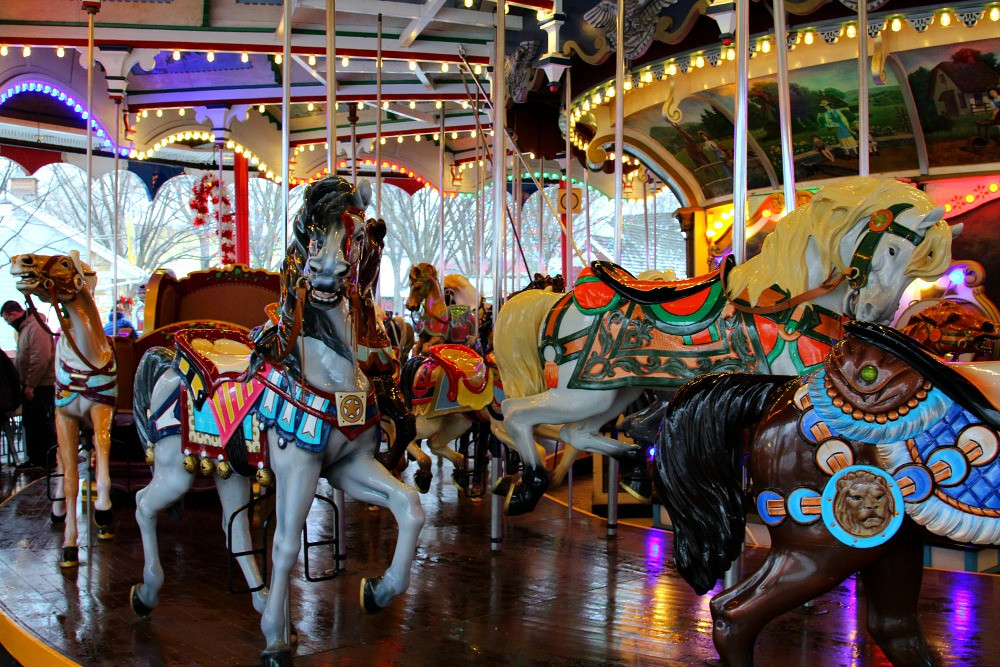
{"x": 579, "y": 359}
{"x": 306, "y": 411}
{"x": 441, "y": 316}
{"x": 86, "y": 379}
{"x": 453, "y": 389}
{"x": 843, "y": 466}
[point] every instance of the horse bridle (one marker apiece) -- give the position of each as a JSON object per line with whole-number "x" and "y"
{"x": 880, "y": 223}
{"x": 65, "y": 325}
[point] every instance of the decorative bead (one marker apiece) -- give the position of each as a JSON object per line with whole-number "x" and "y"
{"x": 857, "y": 414}
{"x": 869, "y": 417}
{"x": 893, "y": 415}
{"x": 913, "y": 403}
{"x": 831, "y": 392}
{"x": 869, "y": 373}
{"x": 881, "y": 418}
{"x": 903, "y": 410}
{"x": 921, "y": 395}
{"x": 838, "y": 402}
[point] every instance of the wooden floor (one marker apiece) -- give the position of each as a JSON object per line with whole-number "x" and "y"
{"x": 559, "y": 593}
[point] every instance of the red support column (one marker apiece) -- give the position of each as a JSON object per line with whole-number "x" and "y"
{"x": 241, "y": 176}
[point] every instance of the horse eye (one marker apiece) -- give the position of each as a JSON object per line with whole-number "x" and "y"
{"x": 892, "y": 251}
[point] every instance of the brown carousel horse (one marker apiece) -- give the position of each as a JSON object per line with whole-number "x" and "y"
{"x": 86, "y": 379}
{"x": 954, "y": 330}
{"x": 441, "y": 315}
{"x": 849, "y": 467}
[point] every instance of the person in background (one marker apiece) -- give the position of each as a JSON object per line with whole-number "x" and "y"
{"x": 35, "y": 363}
{"x": 10, "y": 401}
{"x": 118, "y": 323}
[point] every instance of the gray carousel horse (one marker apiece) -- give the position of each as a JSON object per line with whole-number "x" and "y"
{"x": 306, "y": 411}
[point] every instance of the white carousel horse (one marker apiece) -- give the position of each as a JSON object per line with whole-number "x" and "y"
{"x": 570, "y": 453}
{"x": 315, "y": 407}
{"x": 579, "y": 360}
{"x": 86, "y": 380}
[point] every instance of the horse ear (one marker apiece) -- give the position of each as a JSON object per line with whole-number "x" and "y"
{"x": 935, "y": 215}
{"x": 377, "y": 230}
{"x": 957, "y": 229}
{"x": 363, "y": 195}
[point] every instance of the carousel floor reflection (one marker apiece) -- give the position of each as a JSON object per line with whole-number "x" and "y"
{"x": 558, "y": 594}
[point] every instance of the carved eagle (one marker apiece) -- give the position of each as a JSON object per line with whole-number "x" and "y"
{"x": 640, "y": 23}
{"x": 518, "y": 70}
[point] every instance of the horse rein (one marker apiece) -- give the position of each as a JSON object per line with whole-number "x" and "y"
{"x": 64, "y": 324}
{"x": 831, "y": 283}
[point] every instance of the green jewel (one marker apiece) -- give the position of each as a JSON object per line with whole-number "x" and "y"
{"x": 869, "y": 373}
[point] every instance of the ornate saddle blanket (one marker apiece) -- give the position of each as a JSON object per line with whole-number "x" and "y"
{"x": 99, "y": 386}
{"x": 220, "y": 406}
{"x": 466, "y": 384}
{"x": 938, "y": 459}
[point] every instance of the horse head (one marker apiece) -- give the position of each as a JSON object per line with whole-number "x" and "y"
{"x": 953, "y": 330}
{"x": 329, "y": 238}
{"x": 423, "y": 278}
{"x": 901, "y": 236}
{"x": 52, "y": 277}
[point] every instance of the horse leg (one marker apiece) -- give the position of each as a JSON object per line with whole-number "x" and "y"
{"x": 100, "y": 418}
{"x": 170, "y": 482}
{"x": 787, "y": 579}
{"x": 569, "y": 457}
{"x": 297, "y": 473}
{"x": 234, "y": 494}
{"x": 68, "y": 436}
{"x": 555, "y": 406}
{"x": 56, "y": 491}
{"x": 453, "y": 426}
{"x": 892, "y": 586}
{"x": 426, "y": 428}
{"x": 361, "y": 478}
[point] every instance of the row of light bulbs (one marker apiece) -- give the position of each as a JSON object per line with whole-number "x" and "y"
{"x": 604, "y": 94}
{"x": 345, "y": 61}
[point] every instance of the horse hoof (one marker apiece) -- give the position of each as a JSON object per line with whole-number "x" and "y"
{"x": 105, "y": 524}
{"x": 460, "y": 478}
{"x": 276, "y": 657}
{"x": 502, "y": 487}
{"x": 70, "y": 557}
{"x": 139, "y": 608}
{"x": 58, "y": 519}
{"x": 524, "y": 495}
{"x": 368, "y": 586}
{"x": 422, "y": 480}
{"x": 641, "y": 490}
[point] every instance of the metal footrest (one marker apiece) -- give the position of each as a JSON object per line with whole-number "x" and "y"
{"x": 333, "y": 542}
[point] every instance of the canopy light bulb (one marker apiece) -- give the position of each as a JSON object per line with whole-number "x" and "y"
{"x": 995, "y": 14}
{"x": 627, "y": 86}
{"x": 245, "y": 57}
{"x": 210, "y": 56}
{"x": 310, "y": 106}
{"x": 852, "y": 32}
{"x": 3, "y": 50}
{"x": 454, "y": 135}
{"x": 478, "y": 69}
{"x": 381, "y": 141}
{"x": 610, "y": 92}
{"x": 468, "y": 3}
{"x": 385, "y": 104}
{"x": 438, "y": 104}
{"x": 810, "y": 36}
{"x": 945, "y": 19}
{"x": 361, "y": 105}
{"x": 26, "y": 51}
{"x": 277, "y": 59}
{"x": 417, "y": 138}
{"x": 413, "y": 105}
{"x": 60, "y": 52}
{"x": 181, "y": 112}
{"x": 159, "y": 113}
{"x": 345, "y": 61}
{"x": 671, "y": 69}
{"x": 896, "y": 25}
{"x": 261, "y": 108}
{"x": 437, "y": 136}
{"x": 312, "y": 61}
{"x": 444, "y": 67}
{"x": 399, "y": 139}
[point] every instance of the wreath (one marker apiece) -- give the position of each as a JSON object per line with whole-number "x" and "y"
{"x": 209, "y": 206}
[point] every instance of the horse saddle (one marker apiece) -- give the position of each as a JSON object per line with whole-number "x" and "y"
{"x": 461, "y": 364}
{"x": 213, "y": 363}
{"x": 871, "y": 383}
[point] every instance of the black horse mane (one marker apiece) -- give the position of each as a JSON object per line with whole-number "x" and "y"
{"x": 699, "y": 464}
{"x": 325, "y": 201}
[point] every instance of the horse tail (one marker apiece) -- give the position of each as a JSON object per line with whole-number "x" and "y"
{"x": 154, "y": 363}
{"x": 407, "y": 374}
{"x": 698, "y": 469}
{"x": 515, "y": 342}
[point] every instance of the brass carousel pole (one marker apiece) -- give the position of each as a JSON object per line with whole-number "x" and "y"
{"x": 499, "y": 200}
{"x": 441, "y": 191}
{"x": 863, "y": 87}
{"x": 331, "y": 164}
{"x": 91, "y": 7}
{"x": 286, "y": 105}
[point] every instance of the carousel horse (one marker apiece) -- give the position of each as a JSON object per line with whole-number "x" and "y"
{"x": 570, "y": 453}
{"x": 451, "y": 390}
{"x": 579, "y": 359}
{"x": 955, "y": 331}
{"x": 86, "y": 380}
{"x": 849, "y": 467}
{"x": 441, "y": 315}
{"x": 285, "y": 407}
